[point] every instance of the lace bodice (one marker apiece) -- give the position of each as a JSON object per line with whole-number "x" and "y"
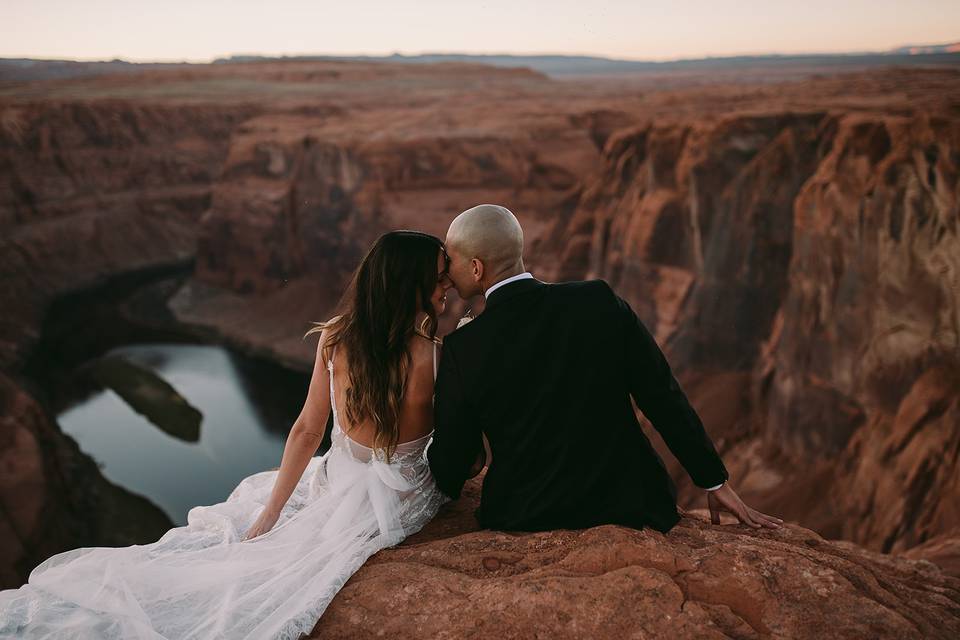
{"x": 406, "y": 474}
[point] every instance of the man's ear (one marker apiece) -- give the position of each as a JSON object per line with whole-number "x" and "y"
{"x": 477, "y": 266}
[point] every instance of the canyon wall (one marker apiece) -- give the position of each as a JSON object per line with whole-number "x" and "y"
{"x": 93, "y": 190}
{"x": 802, "y": 271}
{"x": 792, "y": 246}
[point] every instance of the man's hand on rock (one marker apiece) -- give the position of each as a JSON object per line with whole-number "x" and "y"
{"x": 726, "y": 499}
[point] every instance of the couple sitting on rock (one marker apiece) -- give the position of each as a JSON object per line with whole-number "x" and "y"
{"x": 537, "y": 388}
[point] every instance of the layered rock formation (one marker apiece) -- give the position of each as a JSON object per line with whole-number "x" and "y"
{"x": 92, "y": 191}
{"x": 793, "y": 246}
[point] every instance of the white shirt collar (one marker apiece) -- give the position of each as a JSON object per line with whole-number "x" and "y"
{"x": 519, "y": 276}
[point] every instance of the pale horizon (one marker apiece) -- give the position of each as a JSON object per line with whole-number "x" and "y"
{"x": 199, "y": 32}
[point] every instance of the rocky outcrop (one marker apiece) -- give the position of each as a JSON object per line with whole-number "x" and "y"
{"x": 697, "y": 581}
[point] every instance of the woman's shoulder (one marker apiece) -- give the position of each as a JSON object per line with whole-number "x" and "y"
{"x": 324, "y": 342}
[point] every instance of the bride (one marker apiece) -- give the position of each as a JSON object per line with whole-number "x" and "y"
{"x": 266, "y": 562}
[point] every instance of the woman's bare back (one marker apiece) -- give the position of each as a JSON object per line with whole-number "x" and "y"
{"x": 416, "y": 405}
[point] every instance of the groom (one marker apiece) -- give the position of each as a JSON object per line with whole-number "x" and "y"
{"x": 546, "y": 372}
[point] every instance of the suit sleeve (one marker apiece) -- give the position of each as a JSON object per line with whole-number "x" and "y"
{"x": 457, "y": 439}
{"x": 660, "y": 398}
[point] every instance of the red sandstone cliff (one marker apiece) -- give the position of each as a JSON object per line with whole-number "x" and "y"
{"x": 698, "y": 581}
{"x": 794, "y": 247}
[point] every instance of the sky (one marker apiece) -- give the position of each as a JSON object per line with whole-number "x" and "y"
{"x": 201, "y": 30}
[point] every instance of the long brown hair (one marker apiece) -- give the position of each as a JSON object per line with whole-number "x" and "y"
{"x": 392, "y": 285}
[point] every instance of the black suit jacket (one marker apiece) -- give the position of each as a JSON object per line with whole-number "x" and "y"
{"x": 547, "y": 372}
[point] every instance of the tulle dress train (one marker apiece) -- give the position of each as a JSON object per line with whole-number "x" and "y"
{"x": 203, "y": 581}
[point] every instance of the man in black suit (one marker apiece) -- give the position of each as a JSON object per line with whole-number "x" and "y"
{"x": 546, "y": 373}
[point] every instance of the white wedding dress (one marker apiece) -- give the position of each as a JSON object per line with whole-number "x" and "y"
{"x": 203, "y": 581}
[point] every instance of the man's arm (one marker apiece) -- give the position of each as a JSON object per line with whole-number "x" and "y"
{"x": 660, "y": 398}
{"x": 457, "y": 439}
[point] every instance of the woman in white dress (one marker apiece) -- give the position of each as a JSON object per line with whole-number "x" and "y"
{"x": 266, "y": 562}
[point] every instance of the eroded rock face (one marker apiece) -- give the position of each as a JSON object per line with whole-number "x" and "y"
{"x": 873, "y": 293}
{"x": 697, "y": 581}
{"x": 942, "y": 550}
{"x": 52, "y": 495}
{"x": 900, "y": 473}
{"x": 23, "y": 483}
{"x": 92, "y": 191}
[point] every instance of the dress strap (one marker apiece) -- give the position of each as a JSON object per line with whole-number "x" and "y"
{"x": 333, "y": 405}
{"x": 434, "y": 361}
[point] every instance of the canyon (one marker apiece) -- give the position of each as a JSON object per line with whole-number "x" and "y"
{"x": 792, "y": 245}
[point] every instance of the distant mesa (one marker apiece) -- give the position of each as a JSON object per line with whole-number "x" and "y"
{"x": 951, "y": 47}
{"x": 556, "y": 65}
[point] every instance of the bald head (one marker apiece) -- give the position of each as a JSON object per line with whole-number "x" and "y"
{"x": 487, "y": 233}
